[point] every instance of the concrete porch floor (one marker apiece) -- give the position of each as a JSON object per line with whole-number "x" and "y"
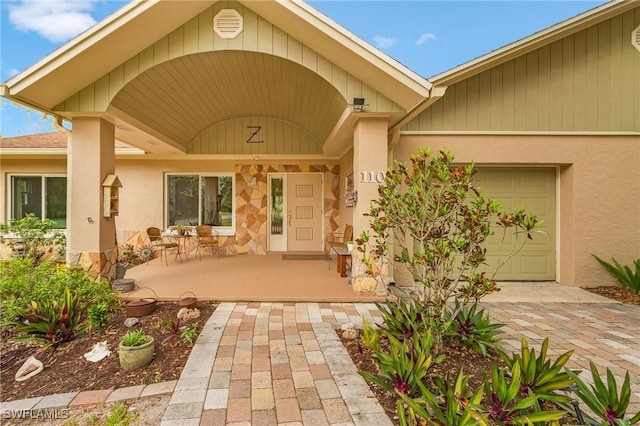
{"x": 244, "y": 278}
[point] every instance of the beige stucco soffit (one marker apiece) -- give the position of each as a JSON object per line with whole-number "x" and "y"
{"x": 533, "y": 42}
{"x": 140, "y": 135}
{"x": 92, "y": 54}
{"x": 313, "y": 29}
{"x": 340, "y": 139}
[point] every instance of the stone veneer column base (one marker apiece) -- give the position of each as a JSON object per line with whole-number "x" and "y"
{"x": 99, "y": 265}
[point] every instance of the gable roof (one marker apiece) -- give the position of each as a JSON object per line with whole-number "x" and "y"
{"x": 91, "y": 55}
{"x": 533, "y": 42}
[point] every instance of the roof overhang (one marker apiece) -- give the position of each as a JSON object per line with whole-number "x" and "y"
{"x": 113, "y": 41}
{"x": 533, "y": 42}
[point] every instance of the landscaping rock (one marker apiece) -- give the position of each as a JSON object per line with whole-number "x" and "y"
{"x": 131, "y": 321}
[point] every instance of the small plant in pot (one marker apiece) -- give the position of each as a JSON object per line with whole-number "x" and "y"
{"x": 136, "y": 350}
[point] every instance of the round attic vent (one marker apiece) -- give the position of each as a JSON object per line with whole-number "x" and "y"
{"x": 227, "y": 23}
{"x": 635, "y": 38}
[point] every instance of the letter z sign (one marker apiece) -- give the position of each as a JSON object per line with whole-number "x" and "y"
{"x": 254, "y": 130}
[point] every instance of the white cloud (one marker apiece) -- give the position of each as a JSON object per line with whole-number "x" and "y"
{"x": 55, "y": 20}
{"x": 425, "y": 37}
{"x": 12, "y": 72}
{"x": 383, "y": 42}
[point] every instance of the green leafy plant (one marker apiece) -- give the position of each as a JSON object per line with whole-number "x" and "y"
{"x": 23, "y": 280}
{"x": 538, "y": 376}
{"x": 439, "y": 224}
{"x": 370, "y": 336}
{"x": 120, "y": 416}
{"x": 604, "y": 400}
{"x": 623, "y": 273}
{"x": 189, "y": 334}
{"x": 505, "y": 405}
{"x": 452, "y": 405}
{"x": 53, "y": 321}
{"x": 405, "y": 366}
{"x": 33, "y": 237}
{"x": 135, "y": 338}
{"x": 98, "y": 316}
{"x": 473, "y": 328}
{"x": 403, "y": 318}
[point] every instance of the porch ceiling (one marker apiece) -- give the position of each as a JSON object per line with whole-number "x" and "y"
{"x": 178, "y": 99}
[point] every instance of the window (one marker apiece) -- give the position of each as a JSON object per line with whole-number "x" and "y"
{"x": 195, "y": 199}
{"x": 44, "y": 196}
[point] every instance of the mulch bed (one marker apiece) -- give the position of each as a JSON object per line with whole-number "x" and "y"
{"x": 621, "y": 294}
{"x": 66, "y": 369}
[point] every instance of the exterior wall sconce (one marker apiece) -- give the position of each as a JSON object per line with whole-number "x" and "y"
{"x": 254, "y": 181}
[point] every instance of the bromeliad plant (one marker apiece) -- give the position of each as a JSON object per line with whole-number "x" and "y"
{"x": 538, "y": 376}
{"x": 439, "y": 223}
{"x": 623, "y": 273}
{"x": 604, "y": 400}
{"x": 405, "y": 366}
{"x": 403, "y": 318}
{"x": 53, "y": 321}
{"x": 453, "y": 404}
{"x": 506, "y": 405}
{"x": 473, "y": 328}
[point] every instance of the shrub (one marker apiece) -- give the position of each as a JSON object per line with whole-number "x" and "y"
{"x": 98, "y": 316}
{"x": 23, "y": 280}
{"x": 623, "y": 274}
{"x": 34, "y": 236}
{"x": 439, "y": 223}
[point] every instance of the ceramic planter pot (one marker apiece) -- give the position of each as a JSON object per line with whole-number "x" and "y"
{"x": 134, "y": 357}
{"x": 121, "y": 270}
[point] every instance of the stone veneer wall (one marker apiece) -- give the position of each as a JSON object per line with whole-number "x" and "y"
{"x": 251, "y": 203}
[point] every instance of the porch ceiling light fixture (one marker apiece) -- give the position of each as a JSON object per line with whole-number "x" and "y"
{"x": 358, "y": 104}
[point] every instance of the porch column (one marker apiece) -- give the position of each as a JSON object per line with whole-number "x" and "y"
{"x": 369, "y": 165}
{"x": 91, "y": 157}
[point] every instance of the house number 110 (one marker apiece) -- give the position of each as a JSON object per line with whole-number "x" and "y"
{"x": 372, "y": 177}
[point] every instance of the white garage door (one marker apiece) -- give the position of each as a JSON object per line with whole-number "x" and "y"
{"x": 533, "y": 189}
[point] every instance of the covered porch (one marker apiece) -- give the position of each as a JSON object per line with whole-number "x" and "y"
{"x": 237, "y": 278}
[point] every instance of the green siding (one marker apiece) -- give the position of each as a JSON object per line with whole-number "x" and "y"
{"x": 588, "y": 81}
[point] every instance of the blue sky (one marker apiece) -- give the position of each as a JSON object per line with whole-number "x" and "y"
{"x": 427, "y": 36}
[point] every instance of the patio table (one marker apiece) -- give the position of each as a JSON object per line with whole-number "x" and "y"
{"x": 343, "y": 255}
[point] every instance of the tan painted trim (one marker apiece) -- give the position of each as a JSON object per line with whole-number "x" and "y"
{"x": 359, "y": 46}
{"x": 77, "y": 45}
{"x": 518, "y": 133}
{"x": 533, "y": 41}
{"x": 245, "y": 158}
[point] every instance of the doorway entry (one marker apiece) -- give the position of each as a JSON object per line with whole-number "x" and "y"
{"x": 295, "y": 219}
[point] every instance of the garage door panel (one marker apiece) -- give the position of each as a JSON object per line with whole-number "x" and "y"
{"x": 534, "y": 190}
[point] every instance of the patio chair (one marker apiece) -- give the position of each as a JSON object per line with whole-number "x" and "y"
{"x": 158, "y": 243}
{"x": 207, "y": 237}
{"x": 338, "y": 239}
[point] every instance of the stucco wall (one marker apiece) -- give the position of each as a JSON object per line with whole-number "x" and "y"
{"x": 598, "y": 191}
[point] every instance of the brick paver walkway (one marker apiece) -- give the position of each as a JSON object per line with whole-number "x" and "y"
{"x": 606, "y": 333}
{"x": 275, "y": 363}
